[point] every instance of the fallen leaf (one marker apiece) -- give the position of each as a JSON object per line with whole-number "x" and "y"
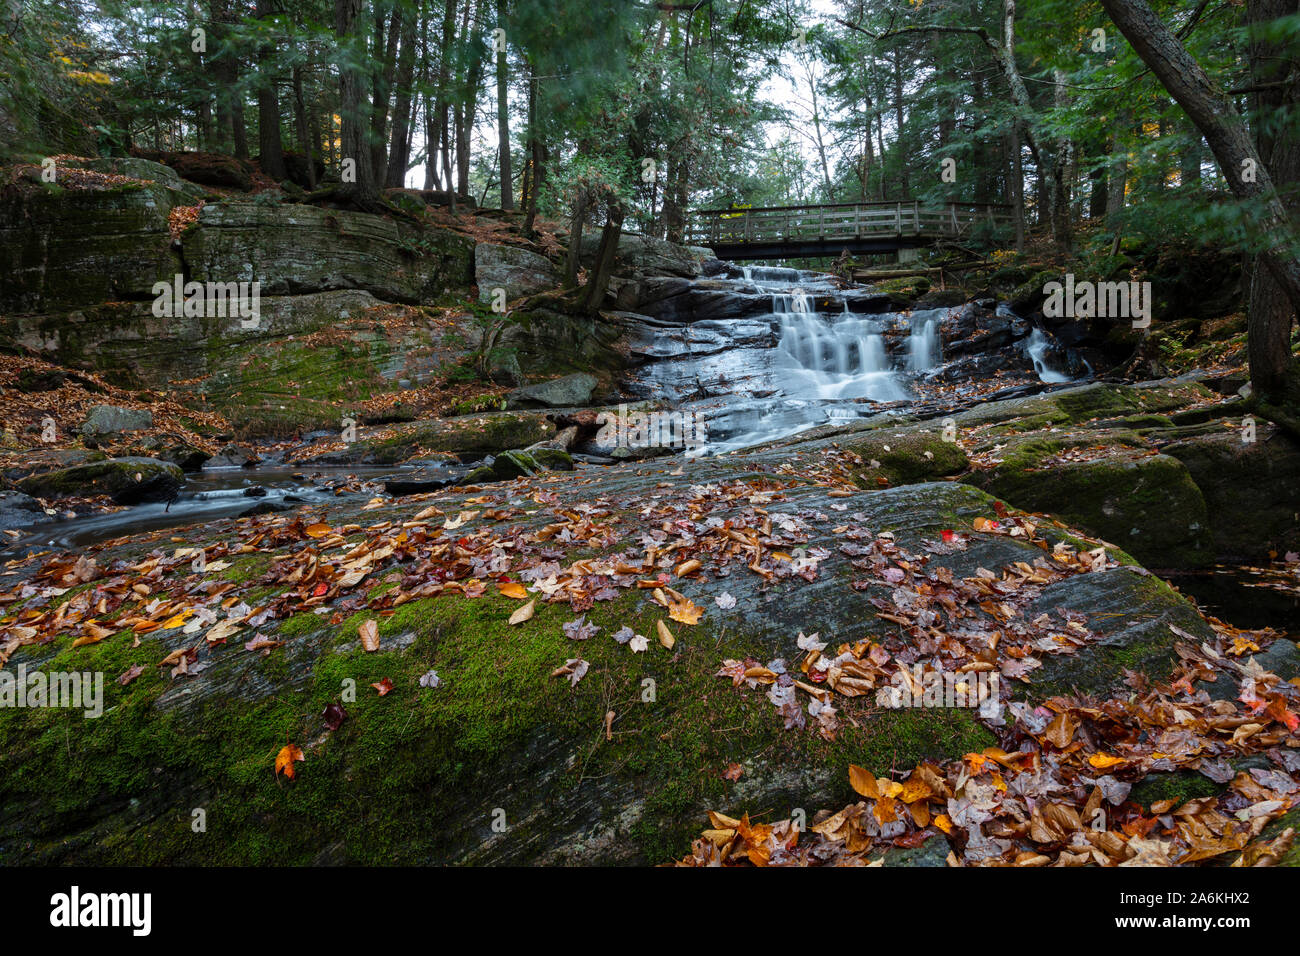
{"x": 368, "y": 632}
{"x": 284, "y": 760}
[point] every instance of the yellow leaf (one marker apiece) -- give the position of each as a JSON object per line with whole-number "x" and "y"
{"x": 685, "y": 612}
{"x": 523, "y": 613}
{"x": 178, "y": 620}
{"x": 285, "y": 758}
{"x": 863, "y": 782}
{"x": 665, "y": 636}
{"x": 686, "y": 567}
{"x": 1105, "y": 761}
{"x": 318, "y": 530}
{"x": 513, "y": 589}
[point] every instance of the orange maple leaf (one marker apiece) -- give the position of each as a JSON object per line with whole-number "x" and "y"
{"x": 285, "y": 758}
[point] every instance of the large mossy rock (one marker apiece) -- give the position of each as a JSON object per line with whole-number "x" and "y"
{"x": 1146, "y": 504}
{"x": 133, "y": 347}
{"x": 127, "y": 481}
{"x": 549, "y": 342}
{"x": 69, "y": 248}
{"x": 468, "y": 436}
{"x": 907, "y": 456}
{"x": 105, "y": 421}
{"x": 294, "y": 249}
{"x": 499, "y": 738}
{"x": 1251, "y": 490}
{"x": 518, "y": 271}
{"x": 568, "y": 391}
{"x": 1155, "y": 469}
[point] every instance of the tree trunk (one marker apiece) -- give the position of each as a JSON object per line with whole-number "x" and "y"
{"x": 468, "y": 105}
{"x": 1062, "y": 172}
{"x": 303, "y": 131}
{"x": 593, "y": 294}
{"x": 385, "y": 59}
{"x": 268, "y": 106}
{"x": 536, "y": 154}
{"x": 1244, "y": 169}
{"x": 1271, "y": 314}
{"x": 1016, "y": 182}
{"x": 503, "y": 117}
{"x": 359, "y": 189}
{"x": 581, "y": 203}
{"x": 400, "y": 153}
{"x": 1117, "y": 178}
{"x": 899, "y": 119}
{"x": 225, "y": 72}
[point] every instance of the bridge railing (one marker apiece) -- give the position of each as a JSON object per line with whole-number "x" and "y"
{"x": 866, "y": 220}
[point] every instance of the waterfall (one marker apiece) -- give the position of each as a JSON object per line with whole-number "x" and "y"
{"x": 923, "y": 345}
{"x": 827, "y": 356}
{"x": 1037, "y": 347}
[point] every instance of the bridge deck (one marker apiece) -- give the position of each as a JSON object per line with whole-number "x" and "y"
{"x": 776, "y": 232}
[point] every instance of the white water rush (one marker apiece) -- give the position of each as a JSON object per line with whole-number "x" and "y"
{"x": 829, "y": 356}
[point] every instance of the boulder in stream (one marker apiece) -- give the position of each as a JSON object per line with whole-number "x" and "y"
{"x": 128, "y": 481}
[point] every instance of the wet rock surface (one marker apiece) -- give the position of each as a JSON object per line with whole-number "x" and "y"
{"x": 498, "y": 732}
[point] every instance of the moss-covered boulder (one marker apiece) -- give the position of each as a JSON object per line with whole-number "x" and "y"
{"x": 1251, "y": 489}
{"x": 69, "y": 248}
{"x": 127, "y": 481}
{"x": 468, "y": 436}
{"x": 616, "y": 767}
{"x": 1146, "y": 504}
{"x": 907, "y": 456}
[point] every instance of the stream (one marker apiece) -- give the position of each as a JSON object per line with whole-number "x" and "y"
{"x": 816, "y": 358}
{"x": 802, "y": 352}
{"x": 810, "y": 359}
{"x": 207, "y": 496}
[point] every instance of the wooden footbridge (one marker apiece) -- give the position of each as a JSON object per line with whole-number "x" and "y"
{"x": 795, "y": 232}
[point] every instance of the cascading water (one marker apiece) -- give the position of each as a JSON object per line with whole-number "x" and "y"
{"x": 923, "y": 345}
{"x": 827, "y": 356}
{"x": 776, "y": 360}
{"x": 1037, "y": 347}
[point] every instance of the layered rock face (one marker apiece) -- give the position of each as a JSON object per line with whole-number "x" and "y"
{"x": 82, "y": 267}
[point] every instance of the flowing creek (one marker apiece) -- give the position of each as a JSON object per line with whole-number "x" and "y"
{"x": 809, "y": 360}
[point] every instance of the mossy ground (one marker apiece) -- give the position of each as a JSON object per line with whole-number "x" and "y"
{"x": 415, "y": 775}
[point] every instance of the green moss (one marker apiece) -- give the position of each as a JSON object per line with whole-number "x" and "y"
{"x": 246, "y": 568}
{"x": 418, "y": 754}
{"x": 907, "y": 457}
{"x": 1149, "y": 505}
{"x": 1180, "y": 787}
{"x": 485, "y": 434}
{"x": 480, "y": 403}
{"x": 300, "y": 624}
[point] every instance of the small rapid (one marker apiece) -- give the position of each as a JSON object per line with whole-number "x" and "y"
{"x": 832, "y": 356}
